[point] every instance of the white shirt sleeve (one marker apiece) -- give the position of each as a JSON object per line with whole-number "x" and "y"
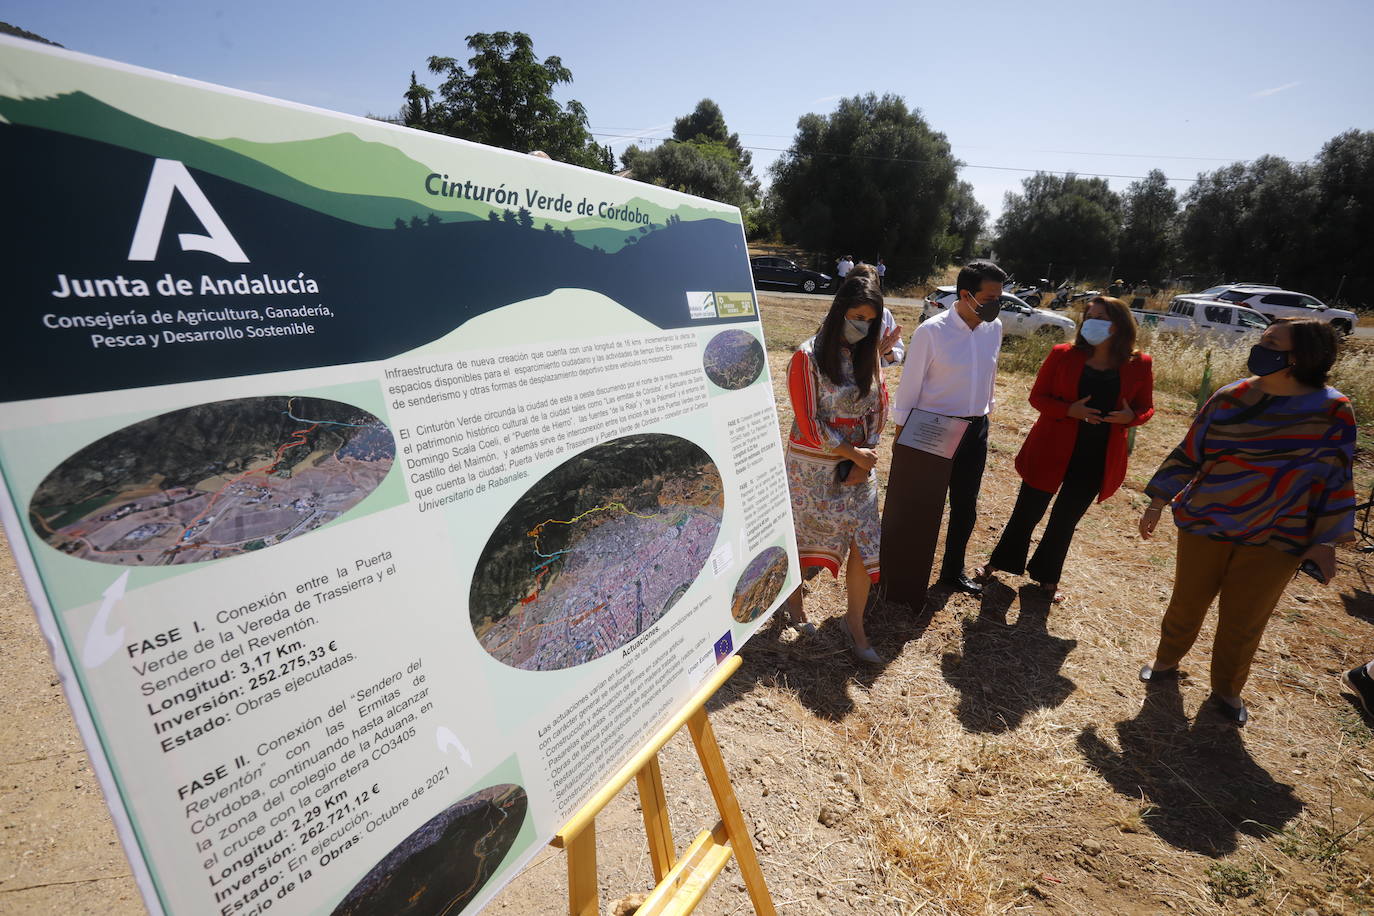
{"x": 918, "y": 353}
{"x": 992, "y": 383}
{"x": 898, "y": 348}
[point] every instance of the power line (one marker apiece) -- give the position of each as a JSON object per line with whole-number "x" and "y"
{"x": 969, "y": 165}
{"x": 1067, "y": 152}
{"x": 966, "y": 165}
{"x": 1073, "y": 152}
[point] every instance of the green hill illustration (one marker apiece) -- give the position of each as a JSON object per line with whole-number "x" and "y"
{"x": 81, "y": 115}
{"x": 364, "y": 182}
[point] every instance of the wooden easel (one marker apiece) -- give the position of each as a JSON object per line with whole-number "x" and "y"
{"x": 681, "y": 882}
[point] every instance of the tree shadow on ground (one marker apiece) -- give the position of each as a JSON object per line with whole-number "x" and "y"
{"x": 1201, "y": 786}
{"x": 1007, "y": 671}
{"x": 820, "y": 668}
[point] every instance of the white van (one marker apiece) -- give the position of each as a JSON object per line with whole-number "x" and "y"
{"x": 1208, "y": 319}
{"x": 1285, "y": 303}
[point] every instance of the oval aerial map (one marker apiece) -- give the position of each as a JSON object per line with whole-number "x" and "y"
{"x": 596, "y": 551}
{"x": 759, "y": 585}
{"x": 733, "y": 359}
{"x": 442, "y": 865}
{"x": 212, "y": 481}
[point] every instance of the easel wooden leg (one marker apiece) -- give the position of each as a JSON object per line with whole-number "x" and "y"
{"x": 652, "y": 800}
{"x": 583, "y": 894}
{"x": 708, "y": 751}
{"x": 681, "y": 883}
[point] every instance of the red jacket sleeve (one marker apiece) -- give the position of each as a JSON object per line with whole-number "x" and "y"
{"x": 1143, "y": 403}
{"x": 1042, "y": 396}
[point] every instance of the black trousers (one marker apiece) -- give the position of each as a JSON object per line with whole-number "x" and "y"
{"x": 965, "y": 480}
{"x": 1082, "y": 483}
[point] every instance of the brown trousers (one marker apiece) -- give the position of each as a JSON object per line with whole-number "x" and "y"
{"x": 917, "y": 484}
{"x": 1250, "y": 581}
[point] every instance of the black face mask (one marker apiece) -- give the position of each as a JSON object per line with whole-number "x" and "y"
{"x": 1264, "y": 361}
{"x": 988, "y": 311}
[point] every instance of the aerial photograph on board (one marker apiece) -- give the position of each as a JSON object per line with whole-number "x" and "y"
{"x": 759, "y": 585}
{"x": 212, "y": 481}
{"x": 596, "y": 552}
{"x": 733, "y": 359}
{"x": 441, "y": 866}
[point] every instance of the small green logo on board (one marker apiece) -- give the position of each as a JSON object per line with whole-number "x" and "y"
{"x": 734, "y": 305}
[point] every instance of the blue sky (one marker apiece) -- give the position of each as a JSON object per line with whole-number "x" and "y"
{"x": 1091, "y": 87}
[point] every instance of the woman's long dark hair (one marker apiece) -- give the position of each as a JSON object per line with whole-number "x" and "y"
{"x": 854, "y": 291}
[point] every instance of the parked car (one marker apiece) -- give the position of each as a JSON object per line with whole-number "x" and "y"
{"x": 782, "y": 272}
{"x": 1285, "y": 303}
{"x": 1205, "y": 318}
{"x": 1018, "y": 318}
{"x": 1226, "y": 287}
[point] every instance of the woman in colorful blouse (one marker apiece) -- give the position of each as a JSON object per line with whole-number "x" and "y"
{"x": 839, "y": 408}
{"x": 1261, "y": 484}
{"x": 1088, "y": 393}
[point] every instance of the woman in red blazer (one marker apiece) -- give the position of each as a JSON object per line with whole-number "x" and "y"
{"x": 1087, "y": 393}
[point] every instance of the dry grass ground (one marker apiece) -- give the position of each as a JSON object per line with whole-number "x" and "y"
{"x": 1004, "y": 759}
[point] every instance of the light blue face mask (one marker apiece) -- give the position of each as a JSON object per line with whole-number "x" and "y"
{"x": 855, "y": 330}
{"x": 1096, "y": 330}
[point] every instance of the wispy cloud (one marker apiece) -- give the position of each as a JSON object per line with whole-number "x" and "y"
{"x": 827, "y": 98}
{"x": 1265, "y": 93}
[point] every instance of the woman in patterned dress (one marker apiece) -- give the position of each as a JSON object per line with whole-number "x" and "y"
{"x": 839, "y": 408}
{"x": 1261, "y": 484}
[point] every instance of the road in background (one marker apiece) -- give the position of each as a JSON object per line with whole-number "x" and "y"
{"x": 827, "y": 297}
{"x": 1361, "y": 333}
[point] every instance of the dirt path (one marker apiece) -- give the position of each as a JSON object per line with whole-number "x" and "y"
{"x": 1005, "y": 758}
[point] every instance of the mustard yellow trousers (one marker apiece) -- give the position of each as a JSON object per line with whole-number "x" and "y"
{"x": 1250, "y": 581}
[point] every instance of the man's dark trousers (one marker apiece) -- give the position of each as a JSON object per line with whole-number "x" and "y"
{"x": 965, "y": 480}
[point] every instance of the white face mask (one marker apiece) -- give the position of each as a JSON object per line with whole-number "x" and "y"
{"x": 1096, "y": 330}
{"x": 855, "y": 330}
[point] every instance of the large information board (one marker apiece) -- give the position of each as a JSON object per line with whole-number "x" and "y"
{"x": 377, "y": 492}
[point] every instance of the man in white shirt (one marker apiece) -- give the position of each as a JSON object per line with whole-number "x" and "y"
{"x": 890, "y": 346}
{"x": 882, "y": 272}
{"x": 844, "y": 266}
{"x": 950, "y": 369}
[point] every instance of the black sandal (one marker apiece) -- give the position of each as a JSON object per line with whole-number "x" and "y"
{"x": 1151, "y": 676}
{"x": 1236, "y": 715}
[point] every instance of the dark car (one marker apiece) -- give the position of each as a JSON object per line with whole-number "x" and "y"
{"x": 782, "y": 272}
